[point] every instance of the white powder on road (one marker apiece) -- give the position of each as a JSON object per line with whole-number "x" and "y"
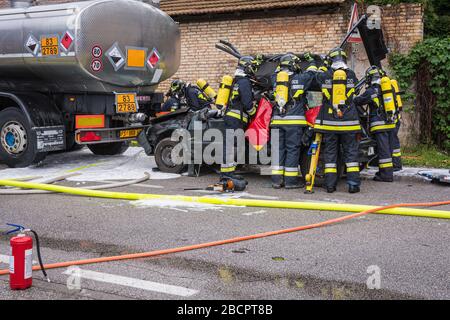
{"x": 407, "y": 172}
{"x": 128, "y": 166}
{"x": 176, "y": 205}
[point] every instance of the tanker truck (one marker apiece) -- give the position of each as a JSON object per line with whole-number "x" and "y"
{"x": 68, "y": 68}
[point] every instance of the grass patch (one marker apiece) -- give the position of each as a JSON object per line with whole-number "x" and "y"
{"x": 425, "y": 156}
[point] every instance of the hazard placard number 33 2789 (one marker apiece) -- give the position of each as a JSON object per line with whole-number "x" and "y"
{"x": 126, "y": 102}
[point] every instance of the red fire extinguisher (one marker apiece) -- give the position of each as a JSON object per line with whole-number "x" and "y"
{"x": 21, "y": 258}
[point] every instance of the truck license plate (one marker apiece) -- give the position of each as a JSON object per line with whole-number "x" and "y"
{"x": 130, "y": 133}
{"x": 126, "y": 103}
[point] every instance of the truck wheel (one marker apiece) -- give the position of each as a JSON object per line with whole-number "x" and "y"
{"x": 17, "y": 141}
{"x": 109, "y": 149}
{"x": 163, "y": 157}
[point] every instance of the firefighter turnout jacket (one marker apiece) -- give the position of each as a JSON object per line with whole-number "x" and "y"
{"x": 193, "y": 98}
{"x": 241, "y": 105}
{"x": 293, "y": 112}
{"x": 338, "y": 113}
{"x": 379, "y": 121}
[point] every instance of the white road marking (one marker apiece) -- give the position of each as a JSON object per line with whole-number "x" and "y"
{"x": 254, "y": 212}
{"x": 4, "y": 259}
{"x": 134, "y": 283}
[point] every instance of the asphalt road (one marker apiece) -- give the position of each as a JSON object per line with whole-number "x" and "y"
{"x": 411, "y": 254}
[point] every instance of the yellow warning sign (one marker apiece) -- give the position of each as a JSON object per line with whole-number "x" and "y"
{"x": 49, "y": 46}
{"x": 136, "y": 58}
{"x": 126, "y": 103}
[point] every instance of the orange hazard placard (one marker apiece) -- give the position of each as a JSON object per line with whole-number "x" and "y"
{"x": 126, "y": 103}
{"x": 49, "y": 46}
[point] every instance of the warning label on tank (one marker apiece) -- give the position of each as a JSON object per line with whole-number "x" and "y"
{"x": 116, "y": 57}
{"x": 49, "y": 46}
{"x": 67, "y": 41}
{"x": 28, "y": 263}
{"x": 32, "y": 45}
{"x": 50, "y": 138}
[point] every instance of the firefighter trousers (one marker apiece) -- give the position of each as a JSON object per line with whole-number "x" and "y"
{"x": 331, "y": 145}
{"x": 395, "y": 146}
{"x": 386, "y": 170}
{"x": 285, "y": 162}
{"x": 230, "y": 142}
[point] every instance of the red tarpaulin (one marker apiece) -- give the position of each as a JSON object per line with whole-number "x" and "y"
{"x": 258, "y": 132}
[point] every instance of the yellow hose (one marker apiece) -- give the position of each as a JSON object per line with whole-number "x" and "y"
{"x": 234, "y": 202}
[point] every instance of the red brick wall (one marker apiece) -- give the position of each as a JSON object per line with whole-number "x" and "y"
{"x": 286, "y": 31}
{"x": 283, "y": 33}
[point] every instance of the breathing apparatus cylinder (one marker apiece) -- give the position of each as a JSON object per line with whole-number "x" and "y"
{"x": 388, "y": 95}
{"x": 398, "y": 98}
{"x": 282, "y": 89}
{"x": 339, "y": 90}
{"x": 206, "y": 88}
{"x": 223, "y": 95}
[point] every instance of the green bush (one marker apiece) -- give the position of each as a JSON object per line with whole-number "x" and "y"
{"x": 428, "y": 67}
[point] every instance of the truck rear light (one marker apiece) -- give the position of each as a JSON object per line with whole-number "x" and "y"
{"x": 90, "y": 121}
{"x": 89, "y": 136}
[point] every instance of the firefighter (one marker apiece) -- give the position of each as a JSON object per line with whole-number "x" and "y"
{"x": 338, "y": 121}
{"x": 393, "y": 135}
{"x": 238, "y": 113}
{"x": 182, "y": 94}
{"x": 382, "y": 122}
{"x": 394, "y": 140}
{"x": 288, "y": 119}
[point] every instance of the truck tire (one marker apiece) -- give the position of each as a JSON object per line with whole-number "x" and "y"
{"x": 109, "y": 149}
{"x": 17, "y": 141}
{"x": 163, "y": 157}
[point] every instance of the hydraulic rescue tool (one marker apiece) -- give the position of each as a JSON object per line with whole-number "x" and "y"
{"x": 314, "y": 154}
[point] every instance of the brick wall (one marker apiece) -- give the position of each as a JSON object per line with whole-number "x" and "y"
{"x": 288, "y": 30}
{"x": 282, "y": 33}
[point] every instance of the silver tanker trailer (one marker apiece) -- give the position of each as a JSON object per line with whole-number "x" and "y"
{"x": 80, "y": 66}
